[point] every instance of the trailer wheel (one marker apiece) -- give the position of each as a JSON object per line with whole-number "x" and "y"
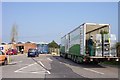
{"x": 81, "y": 61}
{"x": 65, "y": 56}
{"x": 60, "y": 54}
{"x": 72, "y": 58}
{"x": 94, "y": 62}
{"x": 77, "y": 61}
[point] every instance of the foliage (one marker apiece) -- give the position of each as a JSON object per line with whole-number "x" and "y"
{"x": 118, "y": 48}
{"x": 103, "y": 32}
{"x": 53, "y": 44}
{"x": 117, "y": 44}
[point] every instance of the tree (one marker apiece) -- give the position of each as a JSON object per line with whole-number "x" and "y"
{"x": 53, "y": 44}
{"x": 14, "y": 33}
{"x": 118, "y": 48}
{"x": 103, "y": 32}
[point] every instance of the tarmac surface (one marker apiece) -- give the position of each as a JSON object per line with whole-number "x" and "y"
{"x": 47, "y": 66}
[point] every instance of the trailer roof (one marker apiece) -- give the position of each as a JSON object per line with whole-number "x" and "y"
{"x": 97, "y": 29}
{"x": 86, "y": 24}
{"x": 95, "y": 24}
{"x": 63, "y": 36}
{"x": 76, "y": 28}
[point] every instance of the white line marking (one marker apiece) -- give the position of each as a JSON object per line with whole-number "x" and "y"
{"x": 41, "y": 63}
{"x": 48, "y": 72}
{"x": 34, "y": 72}
{"x": 15, "y": 62}
{"x": 20, "y": 70}
{"x": 44, "y": 66}
{"x": 93, "y": 71}
{"x": 20, "y": 61}
{"x": 40, "y": 72}
{"x": 60, "y": 62}
{"x": 24, "y": 67}
{"x": 49, "y": 59}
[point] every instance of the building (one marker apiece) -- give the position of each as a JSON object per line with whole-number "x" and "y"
{"x": 19, "y": 46}
{"x": 25, "y": 46}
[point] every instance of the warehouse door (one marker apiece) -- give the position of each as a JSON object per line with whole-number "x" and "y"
{"x": 19, "y": 48}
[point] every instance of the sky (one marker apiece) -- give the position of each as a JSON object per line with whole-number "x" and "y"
{"x": 47, "y": 21}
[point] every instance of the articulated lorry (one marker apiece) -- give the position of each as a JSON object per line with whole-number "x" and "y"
{"x": 90, "y": 42}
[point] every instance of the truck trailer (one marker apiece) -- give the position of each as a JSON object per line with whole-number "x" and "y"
{"x": 89, "y": 42}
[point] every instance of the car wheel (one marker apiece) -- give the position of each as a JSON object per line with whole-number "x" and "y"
{"x": 35, "y": 56}
{"x": 5, "y": 62}
{"x": 38, "y": 55}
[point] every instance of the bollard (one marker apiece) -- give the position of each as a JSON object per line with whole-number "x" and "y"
{"x": 8, "y": 58}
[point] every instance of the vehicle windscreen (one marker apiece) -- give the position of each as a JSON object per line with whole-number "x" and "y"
{"x": 31, "y": 50}
{"x": 1, "y": 53}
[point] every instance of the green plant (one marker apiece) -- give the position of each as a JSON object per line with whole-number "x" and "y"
{"x": 118, "y": 48}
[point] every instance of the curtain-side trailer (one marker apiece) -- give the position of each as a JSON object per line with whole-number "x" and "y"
{"x": 78, "y": 45}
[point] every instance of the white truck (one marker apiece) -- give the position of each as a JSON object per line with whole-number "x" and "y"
{"x": 90, "y": 42}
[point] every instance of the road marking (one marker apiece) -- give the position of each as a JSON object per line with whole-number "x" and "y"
{"x": 41, "y": 63}
{"x": 40, "y": 72}
{"x": 93, "y": 71}
{"x": 17, "y": 55}
{"x": 24, "y": 67}
{"x": 20, "y": 61}
{"x": 48, "y": 72}
{"x": 15, "y": 62}
{"x": 20, "y": 70}
{"x": 34, "y": 72}
{"x": 49, "y": 59}
{"x": 60, "y": 62}
{"x": 44, "y": 66}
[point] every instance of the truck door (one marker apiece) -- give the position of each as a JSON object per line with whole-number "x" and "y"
{"x": 113, "y": 51}
{"x": 106, "y": 45}
{"x": 98, "y": 51}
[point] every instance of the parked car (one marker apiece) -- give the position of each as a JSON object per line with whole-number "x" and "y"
{"x": 3, "y": 58}
{"x": 12, "y": 52}
{"x": 33, "y": 53}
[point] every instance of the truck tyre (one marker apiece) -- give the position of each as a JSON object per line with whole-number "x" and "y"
{"x": 74, "y": 59}
{"x": 94, "y": 62}
{"x": 38, "y": 55}
{"x": 81, "y": 61}
{"x": 65, "y": 56}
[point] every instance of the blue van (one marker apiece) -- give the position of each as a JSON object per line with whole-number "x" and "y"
{"x": 42, "y": 48}
{"x": 45, "y": 49}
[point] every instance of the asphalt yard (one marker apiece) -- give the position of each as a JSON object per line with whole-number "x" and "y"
{"x": 48, "y": 66}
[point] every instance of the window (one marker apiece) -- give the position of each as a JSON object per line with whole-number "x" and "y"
{"x": 1, "y": 53}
